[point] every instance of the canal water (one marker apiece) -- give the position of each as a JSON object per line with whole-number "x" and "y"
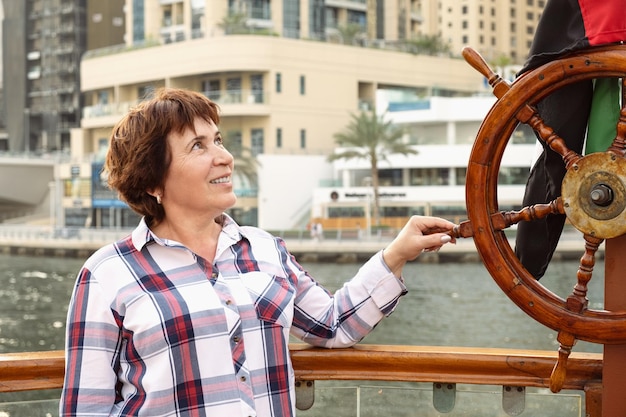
{"x": 448, "y": 304}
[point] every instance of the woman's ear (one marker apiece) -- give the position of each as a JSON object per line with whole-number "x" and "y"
{"x": 156, "y": 193}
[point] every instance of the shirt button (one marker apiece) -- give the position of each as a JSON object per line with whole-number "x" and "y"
{"x": 236, "y": 339}
{"x": 213, "y": 275}
{"x": 228, "y": 302}
{"x": 243, "y": 379}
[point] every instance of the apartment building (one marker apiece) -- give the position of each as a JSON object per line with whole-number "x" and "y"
{"x": 498, "y": 29}
{"x": 43, "y": 41}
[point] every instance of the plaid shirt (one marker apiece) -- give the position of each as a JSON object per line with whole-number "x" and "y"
{"x": 154, "y": 330}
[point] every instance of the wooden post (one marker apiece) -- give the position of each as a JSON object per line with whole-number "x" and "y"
{"x": 614, "y": 368}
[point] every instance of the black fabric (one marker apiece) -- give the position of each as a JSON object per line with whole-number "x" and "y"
{"x": 560, "y": 30}
{"x": 566, "y": 111}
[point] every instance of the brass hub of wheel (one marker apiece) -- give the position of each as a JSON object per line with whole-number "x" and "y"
{"x": 594, "y": 195}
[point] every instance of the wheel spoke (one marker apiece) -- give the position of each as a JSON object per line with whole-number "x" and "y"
{"x": 577, "y": 301}
{"x": 549, "y": 136}
{"x": 504, "y": 219}
{"x": 526, "y": 114}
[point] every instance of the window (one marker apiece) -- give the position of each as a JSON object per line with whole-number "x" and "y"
{"x": 211, "y": 89}
{"x": 513, "y": 175}
{"x": 138, "y": 21}
{"x": 144, "y": 91}
{"x": 291, "y": 19}
{"x": 197, "y": 15}
{"x": 167, "y": 18}
{"x": 429, "y": 176}
{"x": 302, "y": 85}
{"x": 302, "y": 138}
{"x": 233, "y": 142}
{"x": 256, "y": 138}
{"x": 464, "y": 24}
{"x": 279, "y": 137}
{"x": 103, "y": 97}
{"x": 464, "y": 10}
{"x": 256, "y": 87}
{"x": 279, "y": 82}
{"x": 390, "y": 177}
{"x": 233, "y": 90}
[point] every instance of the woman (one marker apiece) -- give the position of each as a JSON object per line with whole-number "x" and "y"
{"x": 191, "y": 314}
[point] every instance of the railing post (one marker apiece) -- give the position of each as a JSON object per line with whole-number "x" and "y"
{"x": 614, "y": 369}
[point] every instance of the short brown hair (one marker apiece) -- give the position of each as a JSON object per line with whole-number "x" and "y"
{"x": 138, "y": 157}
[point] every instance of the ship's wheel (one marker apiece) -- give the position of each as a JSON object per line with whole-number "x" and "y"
{"x": 593, "y": 198}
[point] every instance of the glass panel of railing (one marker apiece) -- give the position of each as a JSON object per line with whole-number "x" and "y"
{"x": 417, "y": 400}
{"x": 381, "y": 400}
{"x": 39, "y": 408}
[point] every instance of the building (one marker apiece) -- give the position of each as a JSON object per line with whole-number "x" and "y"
{"x": 284, "y": 94}
{"x": 40, "y": 72}
{"x": 431, "y": 182}
{"x": 498, "y": 29}
{"x": 43, "y": 42}
{"x": 105, "y": 23}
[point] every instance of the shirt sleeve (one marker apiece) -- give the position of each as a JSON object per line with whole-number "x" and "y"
{"x": 90, "y": 351}
{"x": 344, "y": 318}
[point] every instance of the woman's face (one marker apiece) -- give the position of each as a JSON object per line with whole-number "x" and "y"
{"x": 199, "y": 178}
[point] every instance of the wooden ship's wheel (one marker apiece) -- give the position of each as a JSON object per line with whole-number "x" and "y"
{"x": 593, "y": 198}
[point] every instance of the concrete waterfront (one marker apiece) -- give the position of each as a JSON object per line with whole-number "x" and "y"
{"x": 81, "y": 242}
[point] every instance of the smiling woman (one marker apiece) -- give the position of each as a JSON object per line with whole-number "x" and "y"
{"x": 192, "y": 313}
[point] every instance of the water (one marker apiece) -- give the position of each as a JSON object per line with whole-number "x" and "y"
{"x": 448, "y": 304}
{"x": 459, "y": 304}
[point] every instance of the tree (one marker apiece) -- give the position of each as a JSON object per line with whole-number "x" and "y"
{"x": 427, "y": 45}
{"x": 368, "y": 136}
{"x": 350, "y": 33}
{"x": 234, "y": 24}
{"x": 246, "y": 164}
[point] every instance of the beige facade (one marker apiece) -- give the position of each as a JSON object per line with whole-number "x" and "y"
{"x": 496, "y": 28}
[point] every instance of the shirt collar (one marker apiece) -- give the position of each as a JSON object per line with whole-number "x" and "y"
{"x": 231, "y": 233}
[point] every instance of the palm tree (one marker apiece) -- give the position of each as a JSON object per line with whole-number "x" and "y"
{"x": 234, "y": 24}
{"x": 350, "y": 33}
{"x": 246, "y": 164}
{"x": 368, "y": 136}
{"x": 427, "y": 45}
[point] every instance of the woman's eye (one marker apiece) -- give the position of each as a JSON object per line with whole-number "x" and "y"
{"x": 197, "y": 145}
{"x": 218, "y": 141}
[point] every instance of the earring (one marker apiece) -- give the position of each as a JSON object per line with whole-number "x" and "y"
{"x": 158, "y": 197}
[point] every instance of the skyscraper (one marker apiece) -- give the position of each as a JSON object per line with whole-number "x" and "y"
{"x": 43, "y": 42}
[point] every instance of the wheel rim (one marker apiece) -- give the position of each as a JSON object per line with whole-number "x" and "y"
{"x": 598, "y": 326}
